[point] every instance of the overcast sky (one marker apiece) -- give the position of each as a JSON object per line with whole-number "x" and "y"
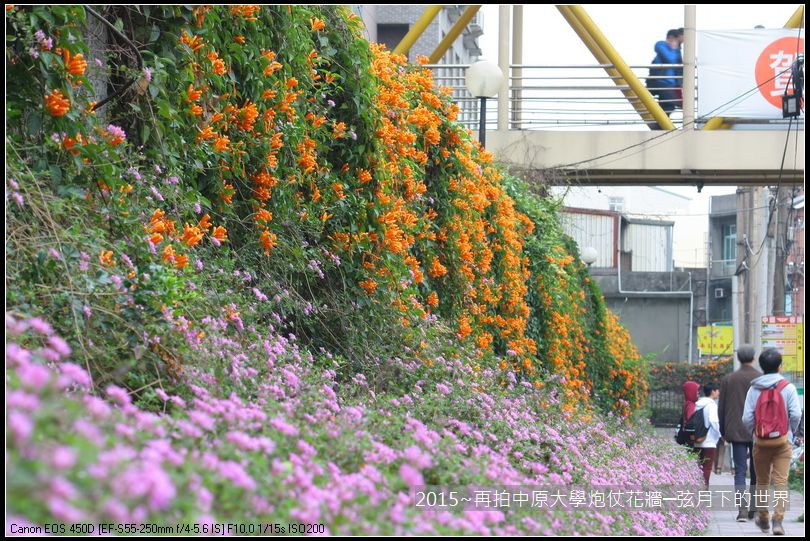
{"x": 633, "y": 30}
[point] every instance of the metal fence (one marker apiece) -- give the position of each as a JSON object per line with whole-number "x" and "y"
{"x": 570, "y": 97}
{"x": 548, "y": 97}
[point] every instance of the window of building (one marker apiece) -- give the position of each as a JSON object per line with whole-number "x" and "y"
{"x": 730, "y": 242}
{"x": 616, "y": 204}
{"x": 391, "y": 34}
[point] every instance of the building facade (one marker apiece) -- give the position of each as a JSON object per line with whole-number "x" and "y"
{"x": 388, "y": 24}
{"x": 722, "y": 257}
{"x": 661, "y": 306}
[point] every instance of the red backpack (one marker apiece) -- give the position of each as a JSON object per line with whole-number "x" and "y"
{"x": 770, "y": 415}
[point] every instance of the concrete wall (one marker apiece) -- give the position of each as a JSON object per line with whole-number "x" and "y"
{"x": 659, "y": 324}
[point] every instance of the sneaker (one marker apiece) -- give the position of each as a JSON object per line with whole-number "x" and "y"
{"x": 751, "y": 513}
{"x": 762, "y": 522}
{"x": 777, "y": 527}
{"x": 742, "y": 514}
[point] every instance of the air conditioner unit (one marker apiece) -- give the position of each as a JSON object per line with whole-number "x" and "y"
{"x": 719, "y": 293}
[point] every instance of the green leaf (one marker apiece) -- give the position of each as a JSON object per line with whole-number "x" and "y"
{"x": 34, "y": 123}
{"x": 56, "y": 174}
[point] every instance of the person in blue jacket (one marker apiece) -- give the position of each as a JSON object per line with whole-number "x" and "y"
{"x": 665, "y": 83}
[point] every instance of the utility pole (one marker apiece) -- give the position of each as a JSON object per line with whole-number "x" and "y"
{"x": 783, "y": 199}
{"x": 755, "y": 263}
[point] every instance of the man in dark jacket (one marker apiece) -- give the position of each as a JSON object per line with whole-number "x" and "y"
{"x": 733, "y": 390}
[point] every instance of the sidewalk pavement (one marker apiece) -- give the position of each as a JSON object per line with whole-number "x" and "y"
{"x": 724, "y": 523}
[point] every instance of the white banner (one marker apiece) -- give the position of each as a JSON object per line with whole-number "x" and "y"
{"x": 744, "y": 73}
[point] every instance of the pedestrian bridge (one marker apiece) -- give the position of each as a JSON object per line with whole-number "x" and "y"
{"x": 599, "y": 124}
{"x": 574, "y": 124}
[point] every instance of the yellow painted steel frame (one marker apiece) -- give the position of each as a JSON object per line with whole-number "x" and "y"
{"x": 418, "y": 29}
{"x": 594, "y": 38}
{"x": 454, "y": 33}
{"x": 602, "y": 58}
{"x": 796, "y": 21}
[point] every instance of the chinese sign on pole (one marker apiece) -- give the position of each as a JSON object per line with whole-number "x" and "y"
{"x": 716, "y": 340}
{"x": 785, "y": 333}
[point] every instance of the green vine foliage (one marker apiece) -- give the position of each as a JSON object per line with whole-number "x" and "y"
{"x": 267, "y": 157}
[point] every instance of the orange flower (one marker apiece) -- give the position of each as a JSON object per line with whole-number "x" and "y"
{"x": 217, "y": 63}
{"x": 247, "y": 11}
{"x": 264, "y": 215}
{"x": 317, "y": 24}
{"x": 364, "y": 176}
{"x": 369, "y": 286}
{"x": 75, "y": 65}
{"x": 272, "y": 68}
{"x": 168, "y": 253}
{"x": 292, "y": 82}
{"x": 436, "y": 268}
{"x": 239, "y": 39}
{"x": 69, "y": 142}
{"x": 195, "y": 43}
{"x": 267, "y": 240}
{"x": 156, "y": 238}
{"x": 227, "y": 194}
{"x": 193, "y": 95}
{"x": 205, "y": 222}
{"x": 106, "y": 258}
{"x": 220, "y": 233}
{"x": 221, "y": 143}
{"x": 464, "y": 328}
{"x": 206, "y": 133}
{"x": 433, "y": 299}
{"x": 57, "y": 104}
{"x": 191, "y": 235}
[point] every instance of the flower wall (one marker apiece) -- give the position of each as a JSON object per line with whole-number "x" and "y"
{"x": 196, "y": 192}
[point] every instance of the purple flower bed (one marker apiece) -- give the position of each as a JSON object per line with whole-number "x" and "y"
{"x": 268, "y": 434}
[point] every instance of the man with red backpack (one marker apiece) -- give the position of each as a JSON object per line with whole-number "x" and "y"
{"x": 772, "y": 413}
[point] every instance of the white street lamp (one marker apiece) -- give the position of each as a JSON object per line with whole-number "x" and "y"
{"x": 483, "y": 80}
{"x": 589, "y": 255}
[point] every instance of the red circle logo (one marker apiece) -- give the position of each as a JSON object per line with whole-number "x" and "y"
{"x": 773, "y": 69}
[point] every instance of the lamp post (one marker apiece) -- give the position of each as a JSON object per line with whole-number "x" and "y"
{"x": 483, "y": 80}
{"x": 589, "y": 255}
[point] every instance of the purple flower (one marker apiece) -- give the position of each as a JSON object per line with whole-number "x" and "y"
{"x": 34, "y": 376}
{"x": 284, "y": 427}
{"x": 411, "y": 476}
{"x": 74, "y": 373}
{"x": 116, "y": 131}
{"x": 54, "y": 254}
{"x": 87, "y": 311}
{"x": 147, "y": 73}
{"x": 63, "y": 458}
{"x": 20, "y": 426}
{"x": 16, "y": 355}
{"x": 157, "y": 193}
{"x": 41, "y": 326}
{"x": 57, "y": 344}
{"x": 119, "y": 396}
{"x": 197, "y": 208}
